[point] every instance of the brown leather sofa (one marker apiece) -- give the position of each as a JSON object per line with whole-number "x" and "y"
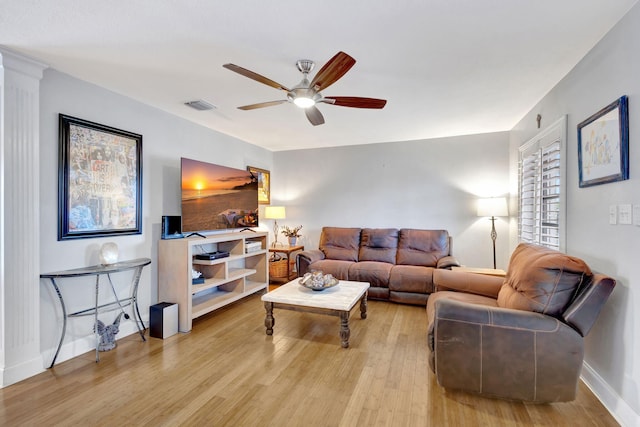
{"x": 398, "y": 264}
{"x": 519, "y": 337}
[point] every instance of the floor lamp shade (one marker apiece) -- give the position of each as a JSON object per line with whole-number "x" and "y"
{"x": 493, "y": 207}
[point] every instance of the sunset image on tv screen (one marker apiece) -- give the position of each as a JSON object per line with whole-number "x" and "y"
{"x": 217, "y": 197}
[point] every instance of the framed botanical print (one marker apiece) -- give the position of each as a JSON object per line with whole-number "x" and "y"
{"x": 603, "y": 145}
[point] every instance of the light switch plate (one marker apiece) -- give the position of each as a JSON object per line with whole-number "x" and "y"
{"x": 624, "y": 214}
{"x": 613, "y": 214}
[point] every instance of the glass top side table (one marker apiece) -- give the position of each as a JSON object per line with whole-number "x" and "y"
{"x": 117, "y": 304}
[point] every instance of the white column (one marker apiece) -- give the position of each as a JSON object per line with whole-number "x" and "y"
{"x": 20, "y": 355}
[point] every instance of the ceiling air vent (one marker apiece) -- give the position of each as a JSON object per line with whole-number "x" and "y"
{"x": 200, "y": 105}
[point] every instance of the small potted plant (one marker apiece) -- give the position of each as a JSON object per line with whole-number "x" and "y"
{"x": 292, "y": 234}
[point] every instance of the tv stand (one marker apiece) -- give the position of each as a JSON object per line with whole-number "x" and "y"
{"x": 244, "y": 272}
{"x": 196, "y": 234}
{"x": 247, "y": 229}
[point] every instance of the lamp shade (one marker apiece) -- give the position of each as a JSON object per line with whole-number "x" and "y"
{"x": 493, "y": 206}
{"x": 274, "y": 212}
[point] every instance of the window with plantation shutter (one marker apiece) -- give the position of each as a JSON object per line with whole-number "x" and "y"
{"x": 541, "y": 200}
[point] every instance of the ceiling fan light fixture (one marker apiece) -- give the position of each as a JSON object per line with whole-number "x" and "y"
{"x": 304, "y": 102}
{"x": 307, "y": 94}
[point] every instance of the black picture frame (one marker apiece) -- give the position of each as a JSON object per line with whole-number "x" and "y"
{"x": 603, "y": 145}
{"x": 99, "y": 180}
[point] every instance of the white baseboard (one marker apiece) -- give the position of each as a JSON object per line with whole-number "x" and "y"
{"x": 24, "y": 370}
{"x": 617, "y": 407}
{"x": 29, "y": 368}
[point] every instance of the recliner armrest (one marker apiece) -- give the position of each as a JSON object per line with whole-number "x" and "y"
{"x": 312, "y": 255}
{"x": 447, "y": 262}
{"x": 584, "y": 310}
{"x": 499, "y": 317}
{"x": 305, "y": 258}
{"x": 462, "y": 281}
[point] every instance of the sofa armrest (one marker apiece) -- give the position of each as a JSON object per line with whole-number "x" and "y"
{"x": 462, "y": 281}
{"x": 305, "y": 258}
{"x": 447, "y": 262}
{"x": 502, "y": 352}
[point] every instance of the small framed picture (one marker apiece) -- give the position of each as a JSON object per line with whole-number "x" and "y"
{"x": 264, "y": 184}
{"x": 603, "y": 145}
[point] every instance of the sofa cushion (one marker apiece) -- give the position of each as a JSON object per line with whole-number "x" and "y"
{"x": 411, "y": 278}
{"x": 542, "y": 280}
{"x": 378, "y": 244}
{"x": 339, "y": 269}
{"x": 422, "y": 247}
{"x": 340, "y": 243}
{"x": 374, "y": 272}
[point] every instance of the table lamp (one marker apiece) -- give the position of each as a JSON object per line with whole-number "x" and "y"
{"x": 275, "y": 213}
{"x": 493, "y": 207}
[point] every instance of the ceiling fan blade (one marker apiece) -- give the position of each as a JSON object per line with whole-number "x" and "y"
{"x": 314, "y": 115}
{"x": 335, "y": 68}
{"x": 261, "y": 105}
{"x": 355, "y": 102}
{"x": 255, "y": 76}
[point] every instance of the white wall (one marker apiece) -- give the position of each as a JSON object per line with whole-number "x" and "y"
{"x": 610, "y": 70}
{"x": 166, "y": 138}
{"x": 429, "y": 184}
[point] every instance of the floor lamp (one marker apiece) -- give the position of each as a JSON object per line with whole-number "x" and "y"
{"x": 493, "y": 207}
{"x": 275, "y": 213}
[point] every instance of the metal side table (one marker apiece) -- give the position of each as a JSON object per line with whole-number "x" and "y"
{"x": 117, "y": 304}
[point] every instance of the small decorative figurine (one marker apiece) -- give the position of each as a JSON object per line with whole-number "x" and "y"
{"x": 108, "y": 334}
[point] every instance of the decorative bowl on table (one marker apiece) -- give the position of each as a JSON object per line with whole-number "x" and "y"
{"x": 317, "y": 281}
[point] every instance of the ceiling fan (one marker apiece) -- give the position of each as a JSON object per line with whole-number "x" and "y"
{"x": 306, "y": 94}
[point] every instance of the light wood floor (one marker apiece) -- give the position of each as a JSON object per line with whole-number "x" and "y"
{"x": 227, "y": 372}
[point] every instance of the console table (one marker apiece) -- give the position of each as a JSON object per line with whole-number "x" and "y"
{"x": 97, "y": 271}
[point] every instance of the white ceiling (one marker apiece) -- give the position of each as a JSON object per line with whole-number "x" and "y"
{"x": 446, "y": 67}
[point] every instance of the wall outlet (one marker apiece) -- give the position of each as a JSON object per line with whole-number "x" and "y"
{"x": 624, "y": 214}
{"x": 613, "y": 214}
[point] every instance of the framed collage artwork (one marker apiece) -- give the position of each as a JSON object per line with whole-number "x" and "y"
{"x": 99, "y": 180}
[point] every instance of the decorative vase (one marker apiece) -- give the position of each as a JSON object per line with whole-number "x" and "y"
{"x": 109, "y": 253}
{"x": 292, "y": 241}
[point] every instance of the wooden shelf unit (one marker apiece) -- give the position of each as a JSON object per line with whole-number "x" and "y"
{"x": 225, "y": 279}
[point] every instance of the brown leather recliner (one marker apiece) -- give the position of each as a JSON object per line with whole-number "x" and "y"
{"x": 517, "y": 338}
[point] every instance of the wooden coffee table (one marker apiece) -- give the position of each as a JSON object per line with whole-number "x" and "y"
{"x": 337, "y": 301}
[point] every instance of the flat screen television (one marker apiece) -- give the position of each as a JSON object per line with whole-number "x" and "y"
{"x": 217, "y": 197}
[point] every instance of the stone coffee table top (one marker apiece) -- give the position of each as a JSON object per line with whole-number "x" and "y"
{"x": 336, "y": 301}
{"x": 341, "y": 297}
